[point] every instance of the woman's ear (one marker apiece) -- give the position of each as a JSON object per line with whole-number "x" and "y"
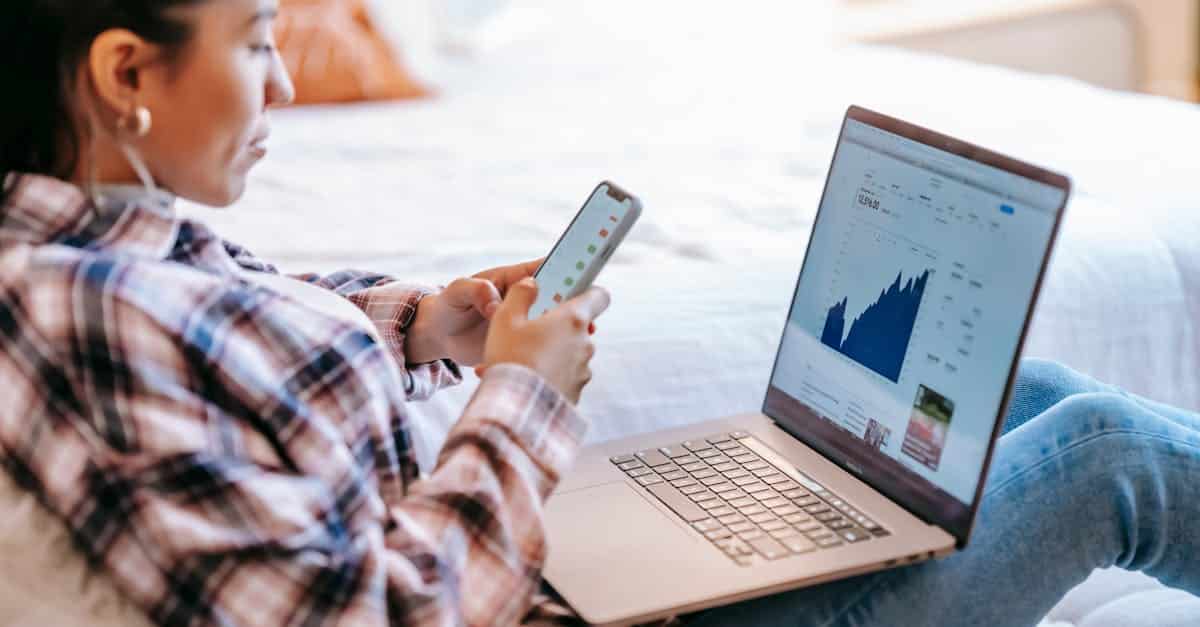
{"x": 117, "y": 68}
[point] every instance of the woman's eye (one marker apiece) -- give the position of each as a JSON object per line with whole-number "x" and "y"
{"x": 265, "y": 48}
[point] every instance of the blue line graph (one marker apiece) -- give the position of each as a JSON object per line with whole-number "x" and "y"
{"x": 879, "y": 338}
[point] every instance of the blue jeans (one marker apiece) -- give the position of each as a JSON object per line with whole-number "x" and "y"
{"x": 1085, "y": 477}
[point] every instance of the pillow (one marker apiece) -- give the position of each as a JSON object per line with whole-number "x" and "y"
{"x": 335, "y": 54}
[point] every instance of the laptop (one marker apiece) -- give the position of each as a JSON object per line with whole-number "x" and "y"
{"x": 883, "y": 407}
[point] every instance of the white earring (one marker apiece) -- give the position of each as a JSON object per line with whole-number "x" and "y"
{"x": 138, "y": 123}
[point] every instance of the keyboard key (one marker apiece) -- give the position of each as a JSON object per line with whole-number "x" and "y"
{"x": 750, "y": 510}
{"x": 825, "y": 543}
{"x": 810, "y": 527}
{"x": 726, "y": 445}
{"x": 784, "y": 532}
{"x": 717, "y": 438}
{"x": 707, "y": 524}
{"x": 621, "y": 459}
{"x": 736, "y": 474}
{"x": 771, "y": 524}
{"x": 745, "y": 481}
{"x": 760, "y": 518}
{"x": 869, "y": 524}
{"x": 827, "y": 517}
{"x": 775, "y": 502}
{"x": 854, "y": 535}
{"x": 769, "y": 548}
{"x": 678, "y": 503}
{"x": 734, "y": 494}
{"x": 758, "y": 465}
{"x": 713, "y": 480}
{"x": 649, "y": 480}
{"x": 723, "y": 510}
{"x": 675, "y": 476}
{"x": 791, "y": 485}
{"x": 683, "y": 483}
{"x": 741, "y": 527}
{"x": 765, "y": 495}
{"x": 757, "y": 486}
{"x": 735, "y": 451}
{"x": 717, "y": 534}
{"x": 819, "y": 508}
{"x": 686, "y": 459}
{"x": 744, "y": 560}
{"x": 721, "y": 488}
{"x": 789, "y": 509}
{"x": 718, "y": 459}
{"x": 675, "y": 451}
{"x": 799, "y": 544}
{"x": 693, "y": 467}
{"x": 630, "y": 465}
{"x": 730, "y": 519}
{"x": 839, "y": 524}
{"x": 794, "y": 519}
{"x": 751, "y": 535}
{"x": 704, "y": 474}
{"x": 726, "y": 467}
{"x": 702, "y": 496}
{"x": 653, "y": 458}
{"x": 748, "y": 457}
{"x": 665, "y": 468}
{"x": 692, "y": 489}
{"x": 880, "y": 532}
{"x": 637, "y": 472}
{"x": 696, "y": 445}
{"x": 725, "y": 542}
{"x": 774, "y": 479}
{"x": 738, "y": 435}
{"x": 762, "y": 472}
{"x": 807, "y": 501}
{"x": 707, "y": 453}
{"x": 742, "y": 502}
{"x": 711, "y": 504}
{"x": 792, "y": 494}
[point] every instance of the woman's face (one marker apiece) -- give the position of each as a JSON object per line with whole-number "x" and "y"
{"x": 209, "y": 106}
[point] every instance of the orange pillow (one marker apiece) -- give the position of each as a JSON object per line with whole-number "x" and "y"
{"x": 334, "y": 54}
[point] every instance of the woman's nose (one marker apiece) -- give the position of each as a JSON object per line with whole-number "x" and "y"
{"x": 280, "y": 90}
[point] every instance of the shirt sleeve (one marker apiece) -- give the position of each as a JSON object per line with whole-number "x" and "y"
{"x": 251, "y": 467}
{"x": 391, "y": 311}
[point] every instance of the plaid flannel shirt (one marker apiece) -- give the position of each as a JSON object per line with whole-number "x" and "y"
{"x": 230, "y": 456}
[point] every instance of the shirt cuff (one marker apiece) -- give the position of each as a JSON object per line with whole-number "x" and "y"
{"x": 518, "y": 401}
{"x": 392, "y": 316}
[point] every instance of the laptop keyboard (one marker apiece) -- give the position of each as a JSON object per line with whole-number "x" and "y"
{"x": 742, "y": 503}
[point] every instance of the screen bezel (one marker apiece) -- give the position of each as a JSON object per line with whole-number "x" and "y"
{"x": 913, "y": 492}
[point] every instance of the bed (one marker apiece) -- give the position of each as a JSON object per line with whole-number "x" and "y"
{"x": 724, "y": 124}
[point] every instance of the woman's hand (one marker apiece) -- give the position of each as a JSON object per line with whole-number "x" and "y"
{"x": 454, "y": 322}
{"x": 557, "y": 345}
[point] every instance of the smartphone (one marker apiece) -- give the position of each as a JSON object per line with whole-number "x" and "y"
{"x": 585, "y": 246}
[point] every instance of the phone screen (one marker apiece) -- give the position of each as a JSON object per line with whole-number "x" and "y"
{"x": 580, "y": 248}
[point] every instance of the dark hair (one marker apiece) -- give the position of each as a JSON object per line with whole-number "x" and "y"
{"x": 42, "y": 43}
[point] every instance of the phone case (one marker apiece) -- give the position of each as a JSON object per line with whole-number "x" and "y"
{"x": 607, "y": 241}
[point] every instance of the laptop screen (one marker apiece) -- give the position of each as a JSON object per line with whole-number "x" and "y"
{"x": 907, "y": 319}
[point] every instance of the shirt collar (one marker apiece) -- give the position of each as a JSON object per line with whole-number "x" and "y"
{"x": 129, "y": 219}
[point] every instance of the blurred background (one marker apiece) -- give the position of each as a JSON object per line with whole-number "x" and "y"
{"x": 1148, "y": 46}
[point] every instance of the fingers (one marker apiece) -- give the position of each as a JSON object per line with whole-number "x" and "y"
{"x": 589, "y": 305}
{"x": 475, "y": 293}
{"x": 519, "y": 299}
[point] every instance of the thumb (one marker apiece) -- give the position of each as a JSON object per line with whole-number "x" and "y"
{"x": 519, "y": 299}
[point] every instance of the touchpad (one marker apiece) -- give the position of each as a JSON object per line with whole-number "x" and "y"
{"x": 610, "y": 523}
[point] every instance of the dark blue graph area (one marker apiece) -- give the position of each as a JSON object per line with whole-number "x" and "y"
{"x": 879, "y": 338}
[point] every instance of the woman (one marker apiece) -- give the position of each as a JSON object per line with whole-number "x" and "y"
{"x": 232, "y": 446}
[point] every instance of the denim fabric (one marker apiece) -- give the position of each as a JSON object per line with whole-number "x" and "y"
{"x": 1085, "y": 477}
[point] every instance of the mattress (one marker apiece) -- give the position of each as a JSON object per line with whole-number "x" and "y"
{"x": 724, "y": 124}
